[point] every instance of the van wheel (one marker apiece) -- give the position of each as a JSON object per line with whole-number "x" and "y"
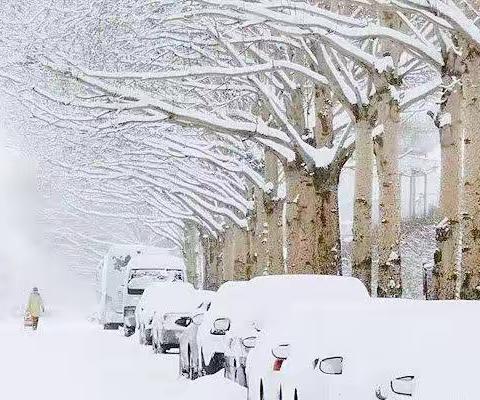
{"x": 163, "y": 348}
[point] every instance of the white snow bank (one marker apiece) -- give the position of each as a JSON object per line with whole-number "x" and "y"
{"x": 212, "y": 387}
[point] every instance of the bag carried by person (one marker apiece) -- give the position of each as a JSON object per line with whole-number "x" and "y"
{"x": 27, "y": 320}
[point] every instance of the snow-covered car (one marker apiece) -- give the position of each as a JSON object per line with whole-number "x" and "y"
{"x": 188, "y": 349}
{"x": 377, "y": 350}
{"x": 269, "y": 299}
{"x": 145, "y": 269}
{"x": 443, "y": 366}
{"x": 146, "y": 308}
{"x": 208, "y": 343}
{"x": 173, "y": 307}
{"x": 313, "y": 351}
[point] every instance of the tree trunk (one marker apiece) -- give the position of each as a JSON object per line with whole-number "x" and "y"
{"x": 313, "y": 231}
{"x": 471, "y": 190}
{"x": 228, "y": 254}
{"x": 362, "y": 209}
{"x": 259, "y": 233}
{"x": 241, "y": 270}
{"x": 301, "y": 229}
{"x": 386, "y": 151}
{"x": 213, "y": 262}
{"x": 389, "y": 259}
{"x": 446, "y": 269}
{"x": 191, "y": 239}
{"x": 327, "y": 222}
{"x": 273, "y": 206}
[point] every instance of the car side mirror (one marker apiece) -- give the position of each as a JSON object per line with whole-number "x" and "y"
{"x": 281, "y": 352}
{"x": 332, "y": 366}
{"x": 220, "y": 326}
{"x": 249, "y": 342}
{"x": 404, "y": 386}
{"x": 184, "y": 321}
{"x": 197, "y": 319}
{"x": 257, "y": 326}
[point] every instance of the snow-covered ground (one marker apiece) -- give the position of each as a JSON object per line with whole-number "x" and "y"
{"x": 77, "y": 360}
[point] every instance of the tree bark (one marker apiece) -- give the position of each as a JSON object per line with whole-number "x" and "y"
{"x": 446, "y": 268}
{"x": 386, "y": 150}
{"x": 228, "y": 259}
{"x": 191, "y": 238}
{"x": 471, "y": 187}
{"x": 241, "y": 270}
{"x": 362, "y": 209}
{"x": 301, "y": 229}
{"x": 389, "y": 259}
{"x": 213, "y": 262}
{"x": 327, "y": 222}
{"x": 313, "y": 231}
{"x": 259, "y": 234}
{"x": 273, "y": 206}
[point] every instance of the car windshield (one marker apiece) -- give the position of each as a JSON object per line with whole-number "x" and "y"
{"x": 141, "y": 278}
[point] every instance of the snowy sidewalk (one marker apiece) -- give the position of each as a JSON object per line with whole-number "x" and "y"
{"x": 80, "y": 361}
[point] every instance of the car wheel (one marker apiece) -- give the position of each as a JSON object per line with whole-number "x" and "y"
{"x": 262, "y": 393}
{"x": 295, "y": 396}
{"x": 280, "y": 395}
{"x": 127, "y": 332}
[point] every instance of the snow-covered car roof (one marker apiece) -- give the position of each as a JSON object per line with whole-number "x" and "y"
{"x": 157, "y": 261}
{"x": 275, "y": 294}
{"x": 169, "y": 297}
{"x": 123, "y": 249}
{"x": 231, "y": 301}
{"x": 317, "y": 286}
{"x": 384, "y": 340}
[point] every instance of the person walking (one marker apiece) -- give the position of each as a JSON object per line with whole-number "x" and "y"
{"x": 35, "y": 307}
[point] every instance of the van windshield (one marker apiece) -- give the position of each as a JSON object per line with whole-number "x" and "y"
{"x": 139, "y": 279}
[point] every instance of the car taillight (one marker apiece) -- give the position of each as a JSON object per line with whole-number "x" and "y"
{"x": 277, "y": 364}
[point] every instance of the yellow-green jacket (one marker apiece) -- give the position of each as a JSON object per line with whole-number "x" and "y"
{"x": 35, "y": 305}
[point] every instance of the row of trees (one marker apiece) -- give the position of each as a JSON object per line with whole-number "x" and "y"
{"x": 227, "y": 123}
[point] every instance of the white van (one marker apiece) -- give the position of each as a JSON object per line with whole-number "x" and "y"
{"x": 114, "y": 271}
{"x": 111, "y": 277}
{"x": 148, "y": 268}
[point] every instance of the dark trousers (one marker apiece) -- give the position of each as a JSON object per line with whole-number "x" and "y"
{"x": 34, "y": 323}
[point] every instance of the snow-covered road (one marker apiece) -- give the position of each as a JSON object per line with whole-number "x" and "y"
{"x": 76, "y": 360}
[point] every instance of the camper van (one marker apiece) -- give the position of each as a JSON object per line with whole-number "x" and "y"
{"x": 148, "y": 268}
{"x": 115, "y": 271}
{"x": 112, "y": 272}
